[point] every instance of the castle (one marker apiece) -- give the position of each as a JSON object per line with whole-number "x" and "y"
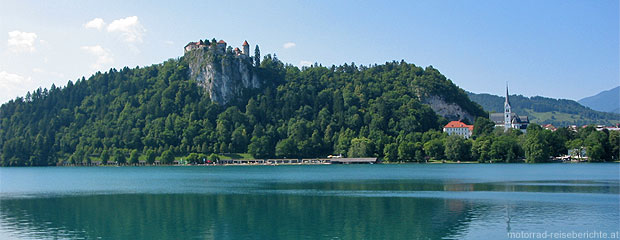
{"x": 220, "y": 46}
{"x": 509, "y": 119}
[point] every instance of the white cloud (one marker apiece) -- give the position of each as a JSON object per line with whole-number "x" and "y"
{"x": 104, "y": 57}
{"x": 96, "y": 23}
{"x": 305, "y": 63}
{"x": 21, "y": 41}
{"x": 129, "y": 28}
{"x": 289, "y": 45}
{"x": 12, "y": 85}
{"x": 50, "y": 73}
{"x": 168, "y": 42}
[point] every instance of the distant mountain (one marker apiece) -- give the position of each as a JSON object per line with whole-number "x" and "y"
{"x": 542, "y": 110}
{"x": 605, "y": 101}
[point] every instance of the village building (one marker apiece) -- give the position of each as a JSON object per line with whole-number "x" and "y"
{"x": 509, "y": 119}
{"x": 459, "y": 128}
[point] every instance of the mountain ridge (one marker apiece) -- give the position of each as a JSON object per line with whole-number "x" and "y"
{"x": 544, "y": 110}
{"x": 604, "y": 101}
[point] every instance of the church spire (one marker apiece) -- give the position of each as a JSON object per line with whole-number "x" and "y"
{"x": 507, "y": 112}
{"x": 507, "y": 101}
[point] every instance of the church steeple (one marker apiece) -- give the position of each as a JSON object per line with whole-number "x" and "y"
{"x": 507, "y": 112}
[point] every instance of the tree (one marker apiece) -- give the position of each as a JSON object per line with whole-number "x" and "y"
{"x": 434, "y": 148}
{"x": 595, "y": 146}
{"x": 105, "y": 157}
{"x": 390, "y": 152}
{"x": 614, "y": 142}
{"x": 483, "y": 126}
{"x": 119, "y": 157}
{"x": 260, "y": 147}
{"x": 167, "y": 157}
{"x": 194, "y": 158}
{"x": 456, "y": 148}
{"x": 150, "y": 156}
{"x": 256, "y": 56}
{"x": 537, "y": 148}
{"x": 406, "y": 151}
{"x": 360, "y": 147}
{"x": 213, "y": 158}
{"x": 286, "y": 148}
{"x": 134, "y": 157}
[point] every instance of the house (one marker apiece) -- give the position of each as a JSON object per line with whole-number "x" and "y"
{"x": 509, "y": 119}
{"x": 550, "y": 127}
{"x": 459, "y": 128}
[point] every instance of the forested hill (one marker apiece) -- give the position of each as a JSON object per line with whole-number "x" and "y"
{"x": 159, "y": 111}
{"x": 542, "y": 110}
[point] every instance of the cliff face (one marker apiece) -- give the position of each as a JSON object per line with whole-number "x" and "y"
{"x": 223, "y": 76}
{"x": 450, "y": 111}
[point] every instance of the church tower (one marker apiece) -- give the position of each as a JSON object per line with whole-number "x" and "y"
{"x": 246, "y": 48}
{"x": 507, "y": 112}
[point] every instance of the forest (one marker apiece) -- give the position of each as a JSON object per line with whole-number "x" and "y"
{"x": 157, "y": 113}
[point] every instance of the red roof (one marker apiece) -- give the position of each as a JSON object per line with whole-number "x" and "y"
{"x": 245, "y": 43}
{"x": 221, "y": 41}
{"x": 459, "y": 124}
{"x": 236, "y": 49}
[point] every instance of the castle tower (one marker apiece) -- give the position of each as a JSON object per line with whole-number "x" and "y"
{"x": 221, "y": 46}
{"x": 246, "y": 48}
{"x": 507, "y": 112}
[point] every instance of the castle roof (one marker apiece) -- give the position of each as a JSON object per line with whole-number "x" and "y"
{"x": 245, "y": 43}
{"x": 221, "y": 42}
{"x": 237, "y": 49}
{"x": 459, "y": 124}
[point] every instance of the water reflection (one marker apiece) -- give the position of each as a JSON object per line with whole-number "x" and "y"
{"x": 382, "y": 202}
{"x": 175, "y": 216}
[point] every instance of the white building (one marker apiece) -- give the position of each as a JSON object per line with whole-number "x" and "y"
{"x": 458, "y": 128}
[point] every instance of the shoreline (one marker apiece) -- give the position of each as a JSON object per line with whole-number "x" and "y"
{"x": 310, "y": 163}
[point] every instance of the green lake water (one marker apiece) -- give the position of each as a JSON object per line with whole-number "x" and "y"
{"x": 432, "y": 201}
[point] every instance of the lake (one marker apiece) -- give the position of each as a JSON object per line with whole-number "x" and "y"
{"x": 410, "y": 201}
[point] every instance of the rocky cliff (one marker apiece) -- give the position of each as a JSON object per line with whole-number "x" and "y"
{"x": 224, "y": 76}
{"x": 450, "y": 111}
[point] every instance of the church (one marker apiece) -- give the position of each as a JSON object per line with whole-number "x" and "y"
{"x": 509, "y": 119}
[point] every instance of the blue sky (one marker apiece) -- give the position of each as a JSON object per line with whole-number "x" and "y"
{"x": 560, "y": 49}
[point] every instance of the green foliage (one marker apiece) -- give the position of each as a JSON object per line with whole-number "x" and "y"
{"x": 134, "y": 157}
{"x": 150, "y": 156}
{"x": 406, "y": 151}
{"x": 483, "y": 126}
{"x": 167, "y": 157}
{"x": 196, "y": 158}
{"x": 390, "y": 152}
{"x": 434, "y": 149}
{"x": 119, "y": 157}
{"x": 105, "y": 157}
{"x": 213, "y": 157}
{"x": 457, "y": 148}
{"x": 360, "y": 147}
{"x": 614, "y": 143}
{"x": 537, "y": 148}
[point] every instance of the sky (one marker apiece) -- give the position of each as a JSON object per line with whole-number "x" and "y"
{"x": 554, "y": 48}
